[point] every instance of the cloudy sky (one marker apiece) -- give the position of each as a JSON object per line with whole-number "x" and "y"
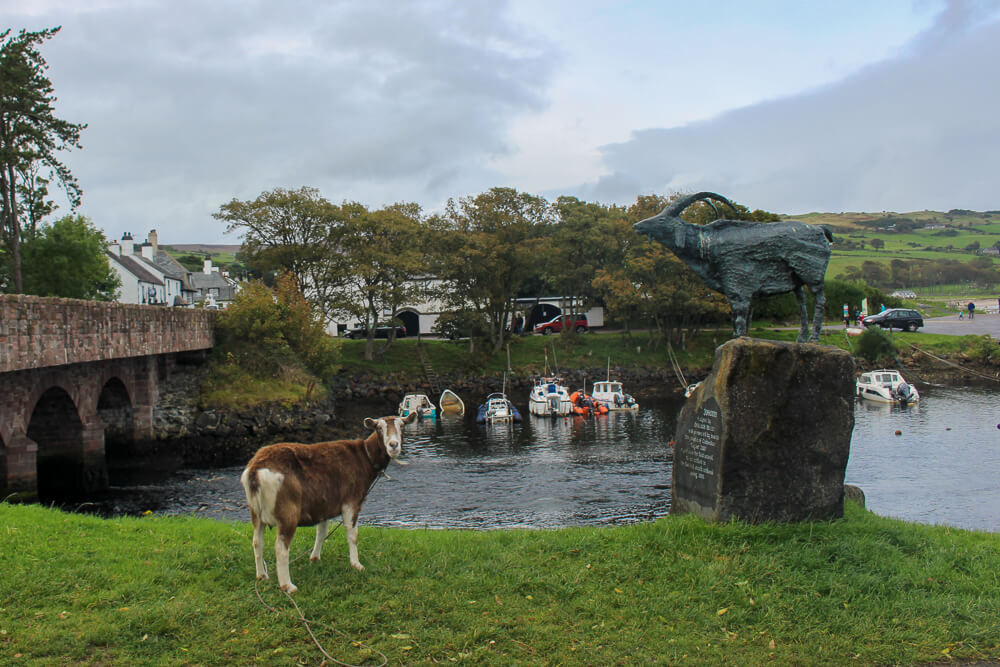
{"x": 785, "y": 105}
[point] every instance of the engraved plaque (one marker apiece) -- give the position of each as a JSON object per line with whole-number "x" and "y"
{"x": 696, "y": 458}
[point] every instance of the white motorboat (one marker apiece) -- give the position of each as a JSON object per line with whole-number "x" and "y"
{"x": 549, "y": 398}
{"x": 886, "y": 386}
{"x": 418, "y": 403}
{"x": 611, "y": 394}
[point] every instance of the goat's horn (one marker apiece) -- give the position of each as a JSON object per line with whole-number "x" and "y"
{"x": 675, "y": 208}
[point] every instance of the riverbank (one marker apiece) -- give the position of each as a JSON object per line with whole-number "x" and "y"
{"x": 863, "y": 590}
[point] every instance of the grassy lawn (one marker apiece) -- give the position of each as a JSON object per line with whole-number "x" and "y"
{"x": 156, "y": 590}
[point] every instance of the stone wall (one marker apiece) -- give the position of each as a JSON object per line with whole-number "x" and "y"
{"x": 36, "y": 332}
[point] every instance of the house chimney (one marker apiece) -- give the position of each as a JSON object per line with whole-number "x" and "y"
{"x": 153, "y": 240}
{"x": 127, "y": 245}
{"x": 115, "y": 248}
{"x": 207, "y": 266}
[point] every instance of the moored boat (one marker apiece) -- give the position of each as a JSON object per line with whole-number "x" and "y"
{"x": 549, "y": 398}
{"x": 611, "y": 394}
{"x": 450, "y": 403}
{"x": 886, "y": 386}
{"x": 497, "y": 408}
{"x": 418, "y": 403}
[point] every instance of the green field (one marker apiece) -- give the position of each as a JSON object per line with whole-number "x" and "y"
{"x": 960, "y": 231}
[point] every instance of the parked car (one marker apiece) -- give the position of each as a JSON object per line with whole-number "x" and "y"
{"x": 380, "y": 332}
{"x": 555, "y": 325}
{"x": 895, "y": 318}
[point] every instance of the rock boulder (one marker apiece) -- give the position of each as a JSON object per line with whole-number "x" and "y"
{"x": 766, "y": 435}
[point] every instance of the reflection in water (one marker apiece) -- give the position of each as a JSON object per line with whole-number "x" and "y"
{"x": 943, "y": 468}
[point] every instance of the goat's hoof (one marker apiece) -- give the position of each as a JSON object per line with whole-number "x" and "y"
{"x": 261, "y": 576}
{"x": 313, "y": 559}
{"x": 290, "y": 588}
{"x": 358, "y": 566}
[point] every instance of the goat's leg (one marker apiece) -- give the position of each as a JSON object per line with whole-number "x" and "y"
{"x": 800, "y": 296}
{"x": 258, "y": 544}
{"x": 281, "y": 546}
{"x": 322, "y": 530}
{"x": 820, "y": 295}
{"x": 349, "y": 515}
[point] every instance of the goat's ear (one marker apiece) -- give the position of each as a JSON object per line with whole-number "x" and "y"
{"x": 370, "y": 423}
{"x": 410, "y": 418}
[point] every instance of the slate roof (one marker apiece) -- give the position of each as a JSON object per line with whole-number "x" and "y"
{"x": 133, "y": 266}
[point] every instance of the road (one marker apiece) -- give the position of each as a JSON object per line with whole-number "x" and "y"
{"x": 981, "y": 324}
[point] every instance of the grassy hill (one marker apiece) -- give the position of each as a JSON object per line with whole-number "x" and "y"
{"x": 956, "y": 235}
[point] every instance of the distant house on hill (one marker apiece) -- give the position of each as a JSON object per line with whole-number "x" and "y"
{"x": 152, "y": 276}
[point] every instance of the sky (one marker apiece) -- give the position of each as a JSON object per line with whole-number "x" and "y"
{"x": 783, "y": 105}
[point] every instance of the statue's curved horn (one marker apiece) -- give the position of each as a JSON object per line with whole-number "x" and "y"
{"x": 676, "y": 207}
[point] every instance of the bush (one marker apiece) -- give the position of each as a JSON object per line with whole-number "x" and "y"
{"x": 874, "y": 345}
{"x": 271, "y": 334}
{"x": 784, "y": 307}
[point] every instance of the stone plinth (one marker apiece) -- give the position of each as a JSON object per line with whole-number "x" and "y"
{"x": 767, "y": 435}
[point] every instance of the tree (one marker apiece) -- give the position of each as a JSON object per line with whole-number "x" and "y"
{"x": 587, "y": 238}
{"x": 30, "y": 138}
{"x": 491, "y": 244}
{"x": 878, "y": 244}
{"x": 385, "y": 263}
{"x": 298, "y": 231}
{"x": 69, "y": 259}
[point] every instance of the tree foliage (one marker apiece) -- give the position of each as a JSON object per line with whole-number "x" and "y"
{"x": 298, "y": 231}
{"x": 490, "y": 245}
{"x": 31, "y": 136}
{"x": 69, "y": 259}
{"x": 385, "y": 252}
{"x": 275, "y": 332}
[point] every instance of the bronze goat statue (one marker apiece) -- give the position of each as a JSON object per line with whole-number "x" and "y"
{"x": 745, "y": 260}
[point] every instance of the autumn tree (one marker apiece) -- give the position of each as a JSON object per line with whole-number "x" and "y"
{"x": 490, "y": 245}
{"x": 298, "y": 231}
{"x": 384, "y": 252}
{"x": 31, "y": 136}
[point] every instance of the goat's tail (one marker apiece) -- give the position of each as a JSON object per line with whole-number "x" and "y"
{"x": 261, "y": 487}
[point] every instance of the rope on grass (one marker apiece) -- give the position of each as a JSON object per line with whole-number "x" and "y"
{"x": 953, "y": 364}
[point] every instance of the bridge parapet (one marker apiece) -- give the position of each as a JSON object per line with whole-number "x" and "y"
{"x": 36, "y": 332}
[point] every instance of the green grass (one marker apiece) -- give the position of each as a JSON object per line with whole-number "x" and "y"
{"x": 527, "y": 353}
{"x": 591, "y": 351}
{"x": 154, "y": 590}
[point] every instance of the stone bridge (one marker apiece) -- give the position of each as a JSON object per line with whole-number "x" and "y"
{"x": 77, "y": 377}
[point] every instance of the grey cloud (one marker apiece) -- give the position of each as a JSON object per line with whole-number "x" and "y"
{"x": 918, "y": 131}
{"x": 188, "y": 107}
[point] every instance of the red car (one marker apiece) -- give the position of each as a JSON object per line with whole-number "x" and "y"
{"x": 555, "y": 325}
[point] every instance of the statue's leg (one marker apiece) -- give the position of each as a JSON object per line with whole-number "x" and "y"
{"x": 740, "y": 308}
{"x": 800, "y": 296}
{"x": 820, "y": 296}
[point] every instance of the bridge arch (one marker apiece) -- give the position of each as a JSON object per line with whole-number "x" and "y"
{"x": 55, "y": 426}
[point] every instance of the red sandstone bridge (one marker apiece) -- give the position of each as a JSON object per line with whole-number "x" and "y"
{"x": 74, "y": 374}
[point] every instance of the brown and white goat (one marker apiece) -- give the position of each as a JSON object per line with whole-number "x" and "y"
{"x": 290, "y": 485}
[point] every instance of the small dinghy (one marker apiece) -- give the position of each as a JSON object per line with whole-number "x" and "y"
{"x": 450, "y": 403}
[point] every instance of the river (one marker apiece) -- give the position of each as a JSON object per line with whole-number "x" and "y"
{"x": 944, "y": 468}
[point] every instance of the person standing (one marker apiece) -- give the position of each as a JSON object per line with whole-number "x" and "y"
{"x": 972, "y": 310}
{"x": 847, "y": 315}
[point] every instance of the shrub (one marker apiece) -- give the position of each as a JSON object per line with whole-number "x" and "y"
{"x": 874, "y": 345}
